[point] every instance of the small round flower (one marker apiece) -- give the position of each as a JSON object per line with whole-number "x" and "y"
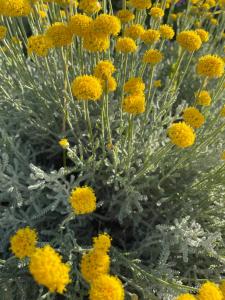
{"x": 193, "y": 117}
{"x": 107, "y": 287}
{"x": 186, "y": 297}
{"x": 15, "y": 8}
{"x": 126, "y": 45}
{"x": 134, "y": 85}
{"x": 222, "y": 285}
{"x": 79, "y": 24}
{"x": 189, "y": 40}
{"x": 204, "y": 35}
{"x": 209, "y": 290}
{"x": 211, "y": 66}
{"x": 140, "y": 4}
{"x": 95, "y": 43}
{"x": 89, "y": 7}
{"x": 166, "y": 32}
{"x": 109, "y": 85}
{"x": 39, "y": 45}
{"x": 102, "y": 242}
{"x": 134, "y": 104}
{"x": 214, "y": 21}
{"x": 3, "y": 32}
{"x": 60, "y": 34}
{"x": 174, "y": 17}
{"x": 47, "y": 268}
{"x": 181, "y": 135}
{"x": 152, "y": 56}
{"x": 222, "y": 111}
{"x": 134, "y": 31}
{"x": 204, "y": 98}
{"x": 107, "y": 25}
{"x": 157, "y": 83}
{"x": 156, "y": 12}
{"x": 64, "y": 143}
{"x": 125, "y": 15}
{"x": 104, "y": 69}
{"x": 23, "y": 243}
{"x": 83, "y": 200}
{"x": 93, "y": 264}
{"x": 87, "y": 87}
{"x": 43, "y": 14}
{"x": 150, "y": 36}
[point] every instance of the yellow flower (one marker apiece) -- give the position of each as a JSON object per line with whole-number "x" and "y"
{"x": 94, "y": 42}
{"x": 222, "y": 285}
{"x": 89, "y": 6}
{"x": 64, "y": 143}
{"x": 134, "y": 85}
{"x": 60, "y": 34}
{"x": 93, "y": 264}
{"x": 152, "y": 56}
{"x": 3, "y": 31}
{"x": 15, "y": 8}
{"x": 204, "y": 35}
{"x": 209, "y": 290}
{"x": 134, "y": 104}
{"x": 150, "y": 36}
{"x": 204, "y": 98}
{"x": 222, "y": 111}
{"x": 39, "y": 45}
{"x": 102, "y": 242}
{"x": 83, "y": 200}
{"x": 156, "y": 12}
{"x": 140, "y": 4}
{"x": 186, "y": 297}
{"x": 79, "y": 24}
{"x": 107, "y": 25}
{"x": 125, "y": 15}
{"x": 211, "y": 66}
{"x": 109, "y": 84}
{"x": 181, "y": 135}
{"x": 189, "y": 40}
{"x": 104, "y": 69}
{"x": 126, "y": 45}
{"x": 87, "y": 87}
{"x": 174, "y": 17}
{"x": 166, "y": 32}
{"x": 42, "y": 14}
{"x": 214, "y": 21}
{"x": 134, "y": 31}
{"x": 62, "y": 13}
{"x": 157, "y": 83}
{"x": 193, "y": 117}
{"x": 23, "y": 243}
{"x": 47, "y": 268}
{"x": 106, "y": 287}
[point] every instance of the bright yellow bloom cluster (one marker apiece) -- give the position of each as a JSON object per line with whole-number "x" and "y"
{"x": 152, "y": 56}
{"x": 3, "y": 31}
{"x": 189, "y": 40}
{"x": 47, "y": 268}
{"x": 104, "y": 70}
{"x": 79, "y": 24}
{"x": 222, "y": 111}
{"x": 83, "y": 200}
{"x": 193, "y": 117}
{"x": 15, "y": 8}
{"x": 87, "y": 87}
{"x": 134, "y": 31}
{"x": 211, "y": 66}
{"x": 186, "y": 297}
{"x": 140, "y": 4}
{"x": 23, "y": 243}
{"x": 89, "y": 7}
{"x": 60, "y": 34}
{"x": 166, "y": 32}
{"x": 39, "y": 45}
{"x": 126, "y": 45}
{"x": 64, "y": 143}
{"x": 109, "y": 85}
{"x": 107, "y": 287}
{"x": 102, "y": 242}
{"x": 209, "y": 290}
{"x": 150, "y": 36}
{"x": 156, "y": 12}
{"x": 134, "y": 104}
{"x": 204, "y": 35}
{"x": 106, "y": 25}
{"x": 125, "y": 15}
{"x": 134, "y": 85}
{"x": 94, "y": 42}
{"x": 204, "y": 98}
{"x": 181, "y": 135}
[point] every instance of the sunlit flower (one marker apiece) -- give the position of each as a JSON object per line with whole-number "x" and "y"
{"x": 204, "y": 35}
{"x": 186, "y": 297}
{"x": 15, "y": 8}
{"x": 89, "y": 7}
{"x": 3, "y": 31}
{"x": 60, "y": 34}
{"x": 140, "y": 4}
{"x": 109, "y": 84}
{"x": 134, "y": 85}
{"x": 107, "y": 25}
{"x": 134, "y": 31}
{"x": 150, "y": 36}
{"x": 189, "y": 40}
{"x": 211, "y": 66}
{"x": 209, "y": 290}
{"x": 39, "y": 45}
{"x": 204, "y": 98}
{"x": 193, "y": 117}
{"x": 104, "y": 69}
{"x": 181, "y": 135}
{"x": 166, "y": 32}
{"x": 83, "y": 200}
{"x": 156, "y": 12}
{"x": 125, "y": 15}
{"x": 134, "y": 104}
{"x": 126, "y": 45}
{"x": 152, "y": 56}
{"x": 79, "y": 24}
{"x": 102, "y": 242}
{"x": 86, "y": 87}
{"x": 64, "y": 143}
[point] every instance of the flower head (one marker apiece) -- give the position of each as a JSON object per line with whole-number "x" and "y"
{"x": 89, "y": 7}
{"x": 150, "y": 36}
{"x": 193, "y": 117}
{"x": 134, "y": 104}
{"x": 134, "y": 31}
{"x": 83, "y": 200}
{"x": 107, "y": 25}
{"x": 106, "y": 287}
{"x": 60, "y": 34}
{"x": 189, "y": 40}
{"x": 64, "y": 143}
{"x": 15, "y": 8}
{"x": 125, "y": 15}
{"x": 23, "y": 243}
{"x": 134, "y": 85}
{"x": 79, "y": 24}
{"x": 211, "y": 66}
{"x": 186, "y": 297}
{"x": 140, "y": 4}
{"x": 204, "y": 98}
{"x": 47, "y": 268}
{"x": 104, "y": 69}
{"x": 94, "y": 42}
{"x": 39, "y": 45}
{"x": 93, "y": 264}
{"x": 166, "y": 32}
{"x": 109, "y": 85}
{"x": 102, "y": 242}
{"x": 181, "y": 135}
{"x": 156, "y": 12}
{"x": 3, "y": 31}
{"x": 152, "y": 56}
{"x": 87, "y": 87}
{"x": 222, "y": 285}
{"x": 204, "y": 35}
{"x": 209, "y": 290}
{"x": 222, "y": 111}
{"x": 157, "y": 83}
{"x": 126, "y": 45}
